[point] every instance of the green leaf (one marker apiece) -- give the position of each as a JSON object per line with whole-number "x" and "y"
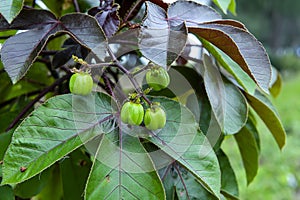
{"x": 235, "y": 42}
{"x": 11, "y": 8}
{"x": 179, "y": 180}
{"x": 74, "y": 173}
{"x": 227, "y": 102}
{"x": 249, "y": 149}
{"x": 56, "y": 6}
{"x": 232, "y": 7}
{"x": 36, "y": 79}
{"x": 276, "y": 83}
{"x": 222, "y": 4}
{"x": 182, "y": 141}
{"x": 84, "y": 30}
{"x": 53, "y": 130}
{"x": 6, "y": 192}
{"x": 34, "y": 185}
{"x": 266, "y": 111}
{"x": 229, "y": 185}
{"x": 53, "y": 190}
{"x": 231, "y": 67}
{"x": 159, "y": 40}
{"x": 5, "y": 139}
{"x": 123, "y": 171}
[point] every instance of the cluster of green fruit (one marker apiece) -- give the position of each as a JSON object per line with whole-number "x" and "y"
{"x": 132, "y": 112}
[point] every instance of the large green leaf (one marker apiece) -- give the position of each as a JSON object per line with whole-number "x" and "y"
{"x": 177, "y": 180}
{"x": 53, "y": 190}
{"x": 36, "y": 79}
{"x": 235, "y": 42}
{"x": 53, "y": 130}
{"x": 198, "y": 104}
{"x": 10, "y": 8}
{"x": 276, "y": 83}
{"x": 227, "y": 102}
{"x": 232, "y": 7}
{"x": 19, "y": 52}
{"x": 123, "y": 171}
{"x": 223, "y": 4}
{"x": 182, "y": 141}
{"x": 267, "y": 112}
{"x": 229, "y": 185}
{"x": 74, "y": 173}
{"x": 5, "y": 139}
{"x": 39, "y": 181}
{"x": 6, "y": 193}
{"x": 249, "y": 149}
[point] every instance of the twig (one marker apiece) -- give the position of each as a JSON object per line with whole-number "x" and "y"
{"x": 108, "y": 85}
{"x": 5, "y": 103}
{"x": 129, "y": 75}
{"x": 48, "y": 53}
{"x": 35, "y": 100}
{"x": 166, "y": 172}
{"x": 98, "y": 65}
{"x": 76, "y": 5}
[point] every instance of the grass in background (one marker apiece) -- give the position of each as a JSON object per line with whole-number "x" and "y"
{"x": 278, "y": 177}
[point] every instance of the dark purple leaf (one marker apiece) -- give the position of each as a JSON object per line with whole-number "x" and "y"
{"x": 107, "y": 16}
{"x": 159, "y": 40}
{"x": 109, "y": 20}
{"x": 63, "y": 56}
{"x": 229, "y": 22}
{"x": 85, "y": 30}
{"x": 241, "y": 46}
{"x": 19, "y": 52}
{"x": 191, "y": 12}
{"x": 4, "y": 25}
{"x": 32, "y": 18}
{"x": 125, "y": 42}
{"x": 129, "y": 10}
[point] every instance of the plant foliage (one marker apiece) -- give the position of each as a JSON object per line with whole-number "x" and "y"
{"x": 77, "y": 145}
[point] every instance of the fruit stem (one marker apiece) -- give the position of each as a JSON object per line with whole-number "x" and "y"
{"x": 129, "y": 75}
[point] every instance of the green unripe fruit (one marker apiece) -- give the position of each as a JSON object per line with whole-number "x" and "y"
{"x": 132, "y": 113}
{"x": 155, "y": 118}
{"x": 157, "y": 78}
{"x": 81, "y": 83}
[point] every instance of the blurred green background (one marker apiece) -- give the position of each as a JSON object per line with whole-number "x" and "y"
{"x": 276, "y": 24}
